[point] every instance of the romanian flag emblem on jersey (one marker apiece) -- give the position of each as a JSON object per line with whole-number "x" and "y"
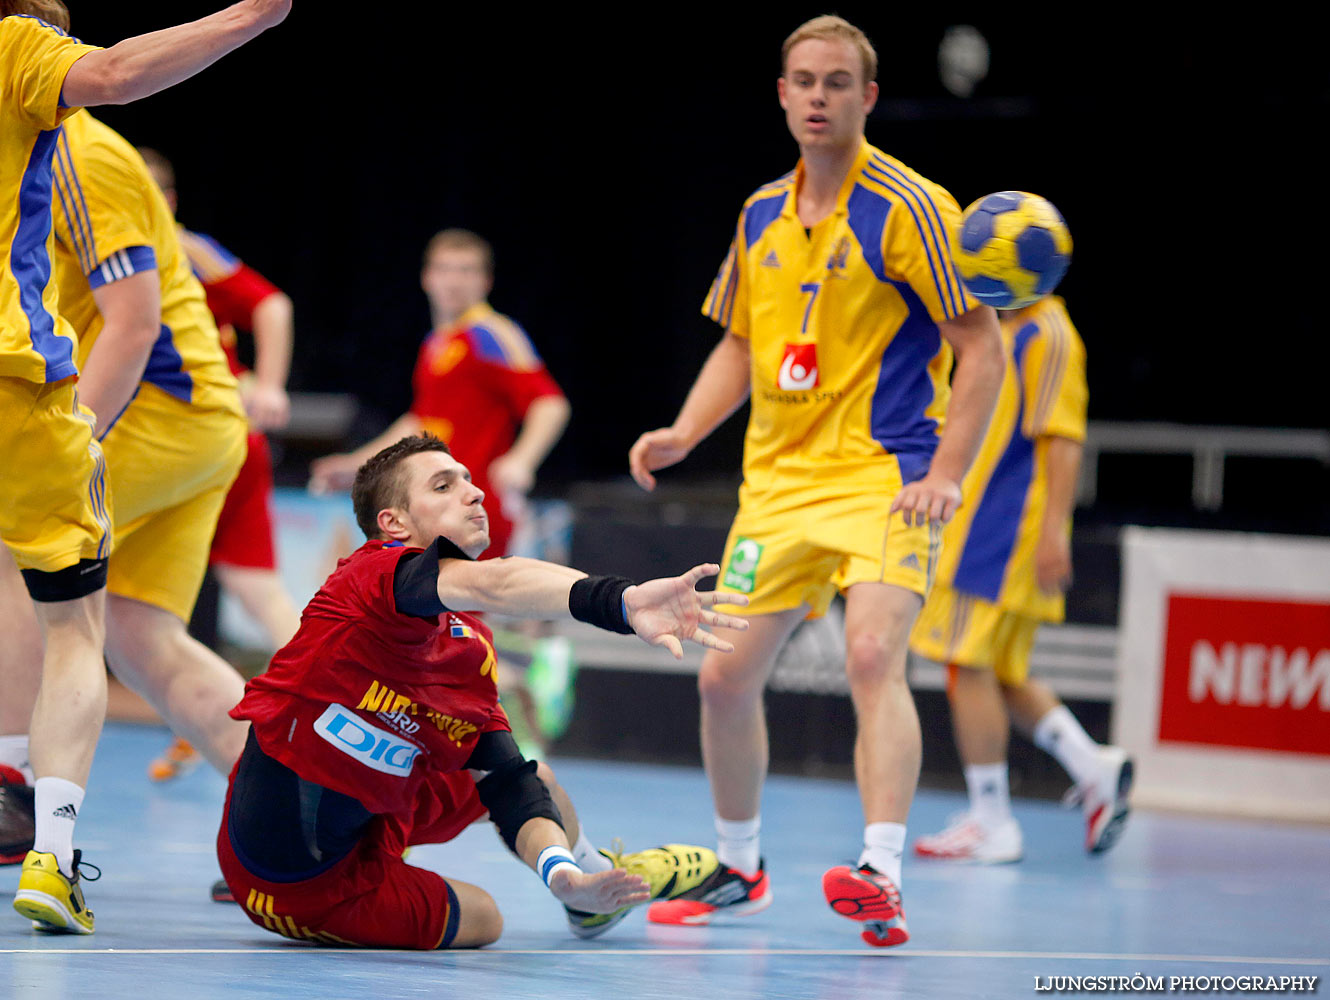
{"x": 462, "y": 631}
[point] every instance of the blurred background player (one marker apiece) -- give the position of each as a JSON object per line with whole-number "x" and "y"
{"x": 480, "y": 387}
{"x": 54, "y": 507}
{"x": 243, "y": 557}
{"x": 842, "y": 310}
{"x": 391, "y": 632}
{"x": 1005, "y": 568}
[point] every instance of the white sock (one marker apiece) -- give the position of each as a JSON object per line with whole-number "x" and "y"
{"x": 990, "y": 794}
{"x": 738, "y": 844}
{"x": 587, "y": 857}
{"x": 14, "y": 753}
{"x": 883, "y": 845}
{"x": 1059, "y": 734}
{"x": 56, "y": 803}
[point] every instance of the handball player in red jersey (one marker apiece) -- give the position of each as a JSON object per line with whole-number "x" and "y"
{"x": 378, "y": 727}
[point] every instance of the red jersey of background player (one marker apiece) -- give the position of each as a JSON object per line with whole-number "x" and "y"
{"x": 368, "y": 700}
{"x": 233, "y": 288}
{"x": 472, "y": 386}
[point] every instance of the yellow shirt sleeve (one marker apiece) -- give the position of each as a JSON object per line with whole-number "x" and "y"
{"x": 1054, "y": 383}
{"x": 100, "y": 205}
{"x": 36, "y": 57}
{"x": 916, "y": 248}
{"x": 727, "y": 300}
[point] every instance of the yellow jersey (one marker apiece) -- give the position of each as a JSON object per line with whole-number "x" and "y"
{"x": 111, "y": 221}
{"x": 988, "y": 547}
{"x": 849, "y": 371}
{"x": 35, "y": 342}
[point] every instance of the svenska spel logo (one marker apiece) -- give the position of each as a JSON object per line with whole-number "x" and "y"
{"x": 741, "y": 573}
{"x": 798, "y": 368}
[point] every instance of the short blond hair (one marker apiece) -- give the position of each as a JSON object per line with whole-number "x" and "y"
{"x": 461, "y": 239}
{"x": 830, "y": 28}
{"x": 50, "y": 11}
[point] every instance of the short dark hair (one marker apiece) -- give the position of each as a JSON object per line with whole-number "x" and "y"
{"x": 380, "y": 482}
{"x": 50, "y": 11}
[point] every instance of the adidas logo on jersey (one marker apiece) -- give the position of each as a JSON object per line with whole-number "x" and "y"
{"x": 66, "y": 811}
{"x": 771, "y": 260}
{"x": 910, "y": 562}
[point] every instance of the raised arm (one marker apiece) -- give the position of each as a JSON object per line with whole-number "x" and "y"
{"x": 975, "y": 383}
{"x": 720, "y": 388}
{"x": 146, "y": 64}
{"x": 664, "y": 612}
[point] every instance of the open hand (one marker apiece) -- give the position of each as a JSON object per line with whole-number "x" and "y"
{"x": 668, "y": 611}
{"x": 599, "y": 892}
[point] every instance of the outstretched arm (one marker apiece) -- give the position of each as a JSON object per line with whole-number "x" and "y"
{"x": 146, "y": 64}
{"x": 721, "y": 387}
{"x": 664, "y": 612}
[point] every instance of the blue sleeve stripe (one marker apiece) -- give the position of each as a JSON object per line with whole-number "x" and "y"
{"x": 504, "y": 344}
{"x": 716, "y": 297}
{"x": 926, "y": 202}
{"x": 80, "y": 228}
{"x": 731, "y": 289}
{"x": 929, "y": 249}
{"x": 891, "y": 177}
{"x": 121, "y": 265}
{"x": 76, "y": 188}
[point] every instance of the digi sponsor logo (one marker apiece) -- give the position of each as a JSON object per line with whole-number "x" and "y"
{"x": 1247, "y": 672}
{"x": 741, "y": 573}
{"x": 384, "y": 752}
{"x": 798, "y": 368}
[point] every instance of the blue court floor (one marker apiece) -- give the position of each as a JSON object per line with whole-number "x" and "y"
{"x": 1179, "y": 896}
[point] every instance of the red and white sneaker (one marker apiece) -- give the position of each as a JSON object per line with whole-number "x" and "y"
{"x": 1104, "y": 800}
{"x": 966, "y": 839}
{"x": 726, "y": 890}
{"x": 866, "y": 895}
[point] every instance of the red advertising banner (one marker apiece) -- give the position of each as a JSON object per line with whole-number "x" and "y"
{"x": 1246, "y": 672}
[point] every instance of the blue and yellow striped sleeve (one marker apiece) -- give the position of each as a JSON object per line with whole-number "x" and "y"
{"x": 727, "y": 299}
{"x": 209, "y": 260}
{"x": 502, "y": 342}
{"x": 1053, "y": 378}
{"x": 99, "y": 212}
{"x": 917, "y": 237}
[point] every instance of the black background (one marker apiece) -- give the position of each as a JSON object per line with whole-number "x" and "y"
{"x": 606, "y": 151}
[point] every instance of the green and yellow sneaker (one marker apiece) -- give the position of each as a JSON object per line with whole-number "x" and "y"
{"x": 670, "y": 871}
{"x": 52, "y": 901}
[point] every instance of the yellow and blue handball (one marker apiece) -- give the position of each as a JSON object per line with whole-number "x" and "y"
{"x": 1013, "y": 248}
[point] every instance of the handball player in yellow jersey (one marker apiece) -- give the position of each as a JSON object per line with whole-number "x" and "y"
{"x": 55, "y": 511}
{"x": 842, "y": 310}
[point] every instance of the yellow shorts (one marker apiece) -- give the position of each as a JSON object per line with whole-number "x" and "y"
{"x": 785, "y": 556}
{"x": 971, "y": 632}
{"x": 171, "y": 464}
{"x": 54, "y": 507}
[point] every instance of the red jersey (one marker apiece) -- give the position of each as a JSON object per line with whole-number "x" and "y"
{"x": 471, "y": 388}
{"x": 234, "y": 289}
{"x": 367, "y": 700}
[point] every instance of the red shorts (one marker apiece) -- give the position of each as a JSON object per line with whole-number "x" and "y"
{"x": 244, "y": 535}
{"x": 371, "y": 897}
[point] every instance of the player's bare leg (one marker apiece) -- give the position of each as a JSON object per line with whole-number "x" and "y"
{"x": 734, "y": 725}
{"x": 71, "y": 701}
{"x": 986, "y": 833}
{"x": 20, "y": 655}
{"x": 264, "y": 598}
{"x": 479, "y": 921}
{"x": 887, "y": 751}
{"x": 187, "y": 683}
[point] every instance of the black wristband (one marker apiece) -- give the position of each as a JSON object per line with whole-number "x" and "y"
{"x": 598, "y": 601}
